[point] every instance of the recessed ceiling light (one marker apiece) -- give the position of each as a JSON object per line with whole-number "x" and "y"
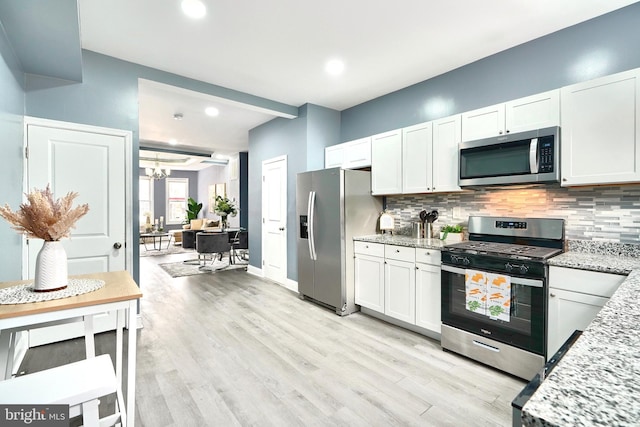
{"x": 194, "y": 8}
{"x": 334, "y": 67}
{"x": 178, "y": 116}
{"x": 211, "y": 111}
{"x": 173, "y": 141}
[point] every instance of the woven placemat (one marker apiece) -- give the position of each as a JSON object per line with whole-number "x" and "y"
{"x": 22, "y": 294}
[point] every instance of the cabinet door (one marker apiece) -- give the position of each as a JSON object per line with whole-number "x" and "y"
{"x": 386, "y": 163}
{"x": 533, "y": 112}
{"x": 334, "y": 156}
{"x": 569, "y": 311}
{"x": 428, "y": 297}
{"x": 400, "y": 290}
{"x": 358, "y": 153}
{"x": 369, "y": 282}
{"x": 446, "y": 166}
{"x": 483, "y": 123}
{"x": 417, "y": 149}
{"x": 600, "y": 131}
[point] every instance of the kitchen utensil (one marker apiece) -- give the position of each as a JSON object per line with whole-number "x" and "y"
{"x": 432, "y": 216}
{"x": 416, "y": 230}
{"x": 423, "y": 216}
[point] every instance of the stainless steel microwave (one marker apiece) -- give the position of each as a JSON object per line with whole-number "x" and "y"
{"x": 524, "y": 157}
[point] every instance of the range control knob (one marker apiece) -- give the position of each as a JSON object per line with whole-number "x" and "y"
{"x": 466, "y": 261}
{"x": 508, "y": 267}
{"x": 523, "y": 269}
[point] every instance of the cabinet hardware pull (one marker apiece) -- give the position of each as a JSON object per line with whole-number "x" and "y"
{"x": 552, "y": 295}
{"x": 397, "y": 251}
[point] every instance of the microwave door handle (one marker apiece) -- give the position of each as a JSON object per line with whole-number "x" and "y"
{"x": 533, "y": 155}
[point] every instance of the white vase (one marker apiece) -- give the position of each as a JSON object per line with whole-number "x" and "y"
{"x": 51, "y": 268}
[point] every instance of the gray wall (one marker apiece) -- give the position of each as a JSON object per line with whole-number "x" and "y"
{"x": 11, "y": 161}
{"x": 595, "y": 48}
{"x": 303, "y": 141}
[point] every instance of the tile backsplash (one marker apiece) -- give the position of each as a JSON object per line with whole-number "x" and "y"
{"x": 602, "y": 213}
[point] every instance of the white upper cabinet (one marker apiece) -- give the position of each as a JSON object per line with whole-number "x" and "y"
{"x": 600, "y": 120}
{"x": 446, "y": 137}
{"x": 417, "y": 154}
{"x": 532, "y": 112}
{"x": 349, "y": 155}
{"x": 334, "y": 156}
{"x": 483, "y": 122}
{"x": 386, "y": 163}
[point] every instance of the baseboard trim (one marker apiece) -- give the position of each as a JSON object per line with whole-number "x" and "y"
{"x": 255, "y": 271}
{"x": 292, "y": 285}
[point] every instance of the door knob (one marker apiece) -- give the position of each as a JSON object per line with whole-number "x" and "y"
{"x": 117, "y": 245}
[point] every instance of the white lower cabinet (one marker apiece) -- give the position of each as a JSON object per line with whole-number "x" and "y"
{"x": 428, "y": 298}
{"x": 400, "y": 282}
{"x": 400, "y": 290}
{"x": 575, "y": 298}
{"x": 369, "y": 275}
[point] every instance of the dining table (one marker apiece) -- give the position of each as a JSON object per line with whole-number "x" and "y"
{"x": 119, "y": 294}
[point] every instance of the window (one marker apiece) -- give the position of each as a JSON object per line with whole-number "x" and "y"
{"x": 146, "y": 199}
{"x": 177, "y": 195}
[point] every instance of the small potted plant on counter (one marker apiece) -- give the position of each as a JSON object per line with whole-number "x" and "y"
{"x": 451, "y": 233}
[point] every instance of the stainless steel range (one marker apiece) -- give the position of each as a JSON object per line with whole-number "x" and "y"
{"x": 494, "y": 292}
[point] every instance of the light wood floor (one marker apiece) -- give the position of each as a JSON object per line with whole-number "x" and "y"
{"x": 230, "y": 349}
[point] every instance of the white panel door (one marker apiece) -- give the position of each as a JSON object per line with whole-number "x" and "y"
{"x": 386, "y": 163}
{"x": 369, "y": 282}
{"x": 417, "y": 155}
{"x": 533, "y": 112}
{"x": 274, "y": 219}
{"x": 428, "y": 299}
{"x": 569, "y": 311}
{"x": 446, "y": 137}
{"x": 400, "y": 290}
{"x": 600, "y": 133}
{"x": 483, "y": 123}
{"x": 91, "y": 163}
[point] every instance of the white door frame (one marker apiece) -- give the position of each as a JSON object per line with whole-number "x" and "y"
{"x": 262, "y": 216}
{"x": 128, "y": 139}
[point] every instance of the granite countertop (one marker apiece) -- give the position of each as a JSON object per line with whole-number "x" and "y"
{"x": 402, "y": 240}
{"x": 596, "y": 382}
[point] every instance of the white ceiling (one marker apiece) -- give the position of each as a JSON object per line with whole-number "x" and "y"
{"x": 277, "y": 50}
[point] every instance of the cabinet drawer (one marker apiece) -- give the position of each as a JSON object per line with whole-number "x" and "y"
{"x": 400, "y": 253}
{"x": 367, "y": 248}
{"x": 586, "y": 282}
{"x": 428, "y": 256}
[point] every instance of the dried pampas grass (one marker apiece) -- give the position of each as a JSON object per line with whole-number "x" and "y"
{"x": 43, "y": 217}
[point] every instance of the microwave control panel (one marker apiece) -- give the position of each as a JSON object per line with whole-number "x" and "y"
{"x": 546, "y": 155}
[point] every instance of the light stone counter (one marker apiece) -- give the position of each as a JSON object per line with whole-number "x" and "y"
{"x": 401, "y": 240}
{"x": 597, "y": 383}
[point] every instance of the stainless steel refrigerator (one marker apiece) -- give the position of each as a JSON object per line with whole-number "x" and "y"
{"x": 332, "y": 206}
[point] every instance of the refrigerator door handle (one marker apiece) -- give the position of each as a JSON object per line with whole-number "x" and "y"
{"x": 311, "y": 207}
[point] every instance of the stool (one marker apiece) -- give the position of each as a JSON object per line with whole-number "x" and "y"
{"x": 77, "y": 384}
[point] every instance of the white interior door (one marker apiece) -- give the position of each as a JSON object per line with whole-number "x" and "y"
{"x": 93, "y": 163}
{"x": 274, "y": 219}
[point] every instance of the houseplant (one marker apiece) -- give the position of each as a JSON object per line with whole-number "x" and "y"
{"x": 451, "y": 233}
{"x": 224, "y": 208}
{"x": 193, "y": 209}
{"x": 43, "y": 217}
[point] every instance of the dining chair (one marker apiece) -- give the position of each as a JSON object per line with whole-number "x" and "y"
{"x": 214, "y": 245}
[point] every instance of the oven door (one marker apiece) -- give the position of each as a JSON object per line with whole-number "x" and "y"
{"x": 525, "y": 328}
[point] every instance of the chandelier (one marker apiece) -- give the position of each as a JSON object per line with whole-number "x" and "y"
{"x": 157, "y": 172}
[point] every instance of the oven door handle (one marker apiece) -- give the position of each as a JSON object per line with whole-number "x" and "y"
{"x": 535, "y": 283}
